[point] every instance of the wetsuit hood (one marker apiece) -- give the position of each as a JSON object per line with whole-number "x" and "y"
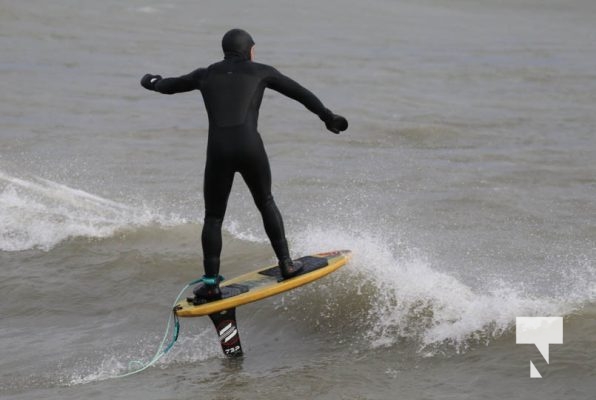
{"x": 237, "y": 43}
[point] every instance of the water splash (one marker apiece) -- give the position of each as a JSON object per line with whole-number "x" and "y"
{"x": 410, "y": 299}
{"x": 36, "y": 213}
{"x": 191, "y": 348}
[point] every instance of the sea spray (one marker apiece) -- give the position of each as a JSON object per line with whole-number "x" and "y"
{"x": 36, "y": 213}
{"x": 195, "y": 346}
{"x": 409, "y": 299}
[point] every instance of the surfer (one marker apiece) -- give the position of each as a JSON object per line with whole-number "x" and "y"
{"x": 232, "y": 91}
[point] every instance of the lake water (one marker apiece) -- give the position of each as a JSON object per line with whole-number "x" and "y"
{"x": 464, "y": 186}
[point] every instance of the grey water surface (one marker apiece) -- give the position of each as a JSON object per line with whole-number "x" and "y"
{"x": 465, "y": 186}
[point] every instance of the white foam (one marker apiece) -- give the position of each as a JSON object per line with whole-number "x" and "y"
{"x": 243, "y": 233}
{"x": 414, "y": 300}
{"x": 190, "y": 348}
{"x": 38, "y": 213}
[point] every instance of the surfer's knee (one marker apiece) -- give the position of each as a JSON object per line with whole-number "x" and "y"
{"x": 265, "y": 203}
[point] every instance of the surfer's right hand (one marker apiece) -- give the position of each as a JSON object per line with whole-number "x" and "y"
{"x": 336, "y": 123}
{"x": 148, "y": 81}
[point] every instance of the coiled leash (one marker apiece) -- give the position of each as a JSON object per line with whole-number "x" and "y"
{"x": 163, "y": 348}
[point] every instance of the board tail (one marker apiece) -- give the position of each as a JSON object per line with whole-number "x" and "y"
{"x": 227, "y": 330}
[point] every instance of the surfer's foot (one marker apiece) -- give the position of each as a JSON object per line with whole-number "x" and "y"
{"x": 208, "y": 290}
{"x": 290, "y": 268}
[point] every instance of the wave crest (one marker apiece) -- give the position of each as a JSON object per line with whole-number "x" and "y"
{"x": 409, "y": 299}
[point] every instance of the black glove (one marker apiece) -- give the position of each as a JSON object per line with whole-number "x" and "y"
{"x": 335, "y": 123}
{"x": 149, "y": 81}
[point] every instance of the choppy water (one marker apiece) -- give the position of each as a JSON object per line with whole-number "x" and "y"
{"x": 465, "y": 187}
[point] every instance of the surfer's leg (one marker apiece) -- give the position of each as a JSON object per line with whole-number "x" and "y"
{"x": 216, "y": 190}
{"x": 258, "y": 179}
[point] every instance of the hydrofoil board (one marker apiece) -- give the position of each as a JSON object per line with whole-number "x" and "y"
{"x": 254, "y": 286}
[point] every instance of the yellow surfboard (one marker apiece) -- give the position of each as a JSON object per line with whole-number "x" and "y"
{"x": 254, "y": 286}
{"x": 265, "y": 282}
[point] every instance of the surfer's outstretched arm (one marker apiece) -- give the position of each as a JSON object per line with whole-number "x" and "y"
{"x": 184, "y": 83}
{"x": 288, "y": 87}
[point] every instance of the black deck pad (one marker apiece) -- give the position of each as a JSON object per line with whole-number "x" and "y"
{"x": 233, "y": 290}
{"x": 309, "y": 263}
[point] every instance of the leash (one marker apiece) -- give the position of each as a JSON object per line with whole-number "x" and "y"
{"x": 163, "y": 348}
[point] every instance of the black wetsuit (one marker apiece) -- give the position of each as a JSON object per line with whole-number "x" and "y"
{"x": 232, "y": 91}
